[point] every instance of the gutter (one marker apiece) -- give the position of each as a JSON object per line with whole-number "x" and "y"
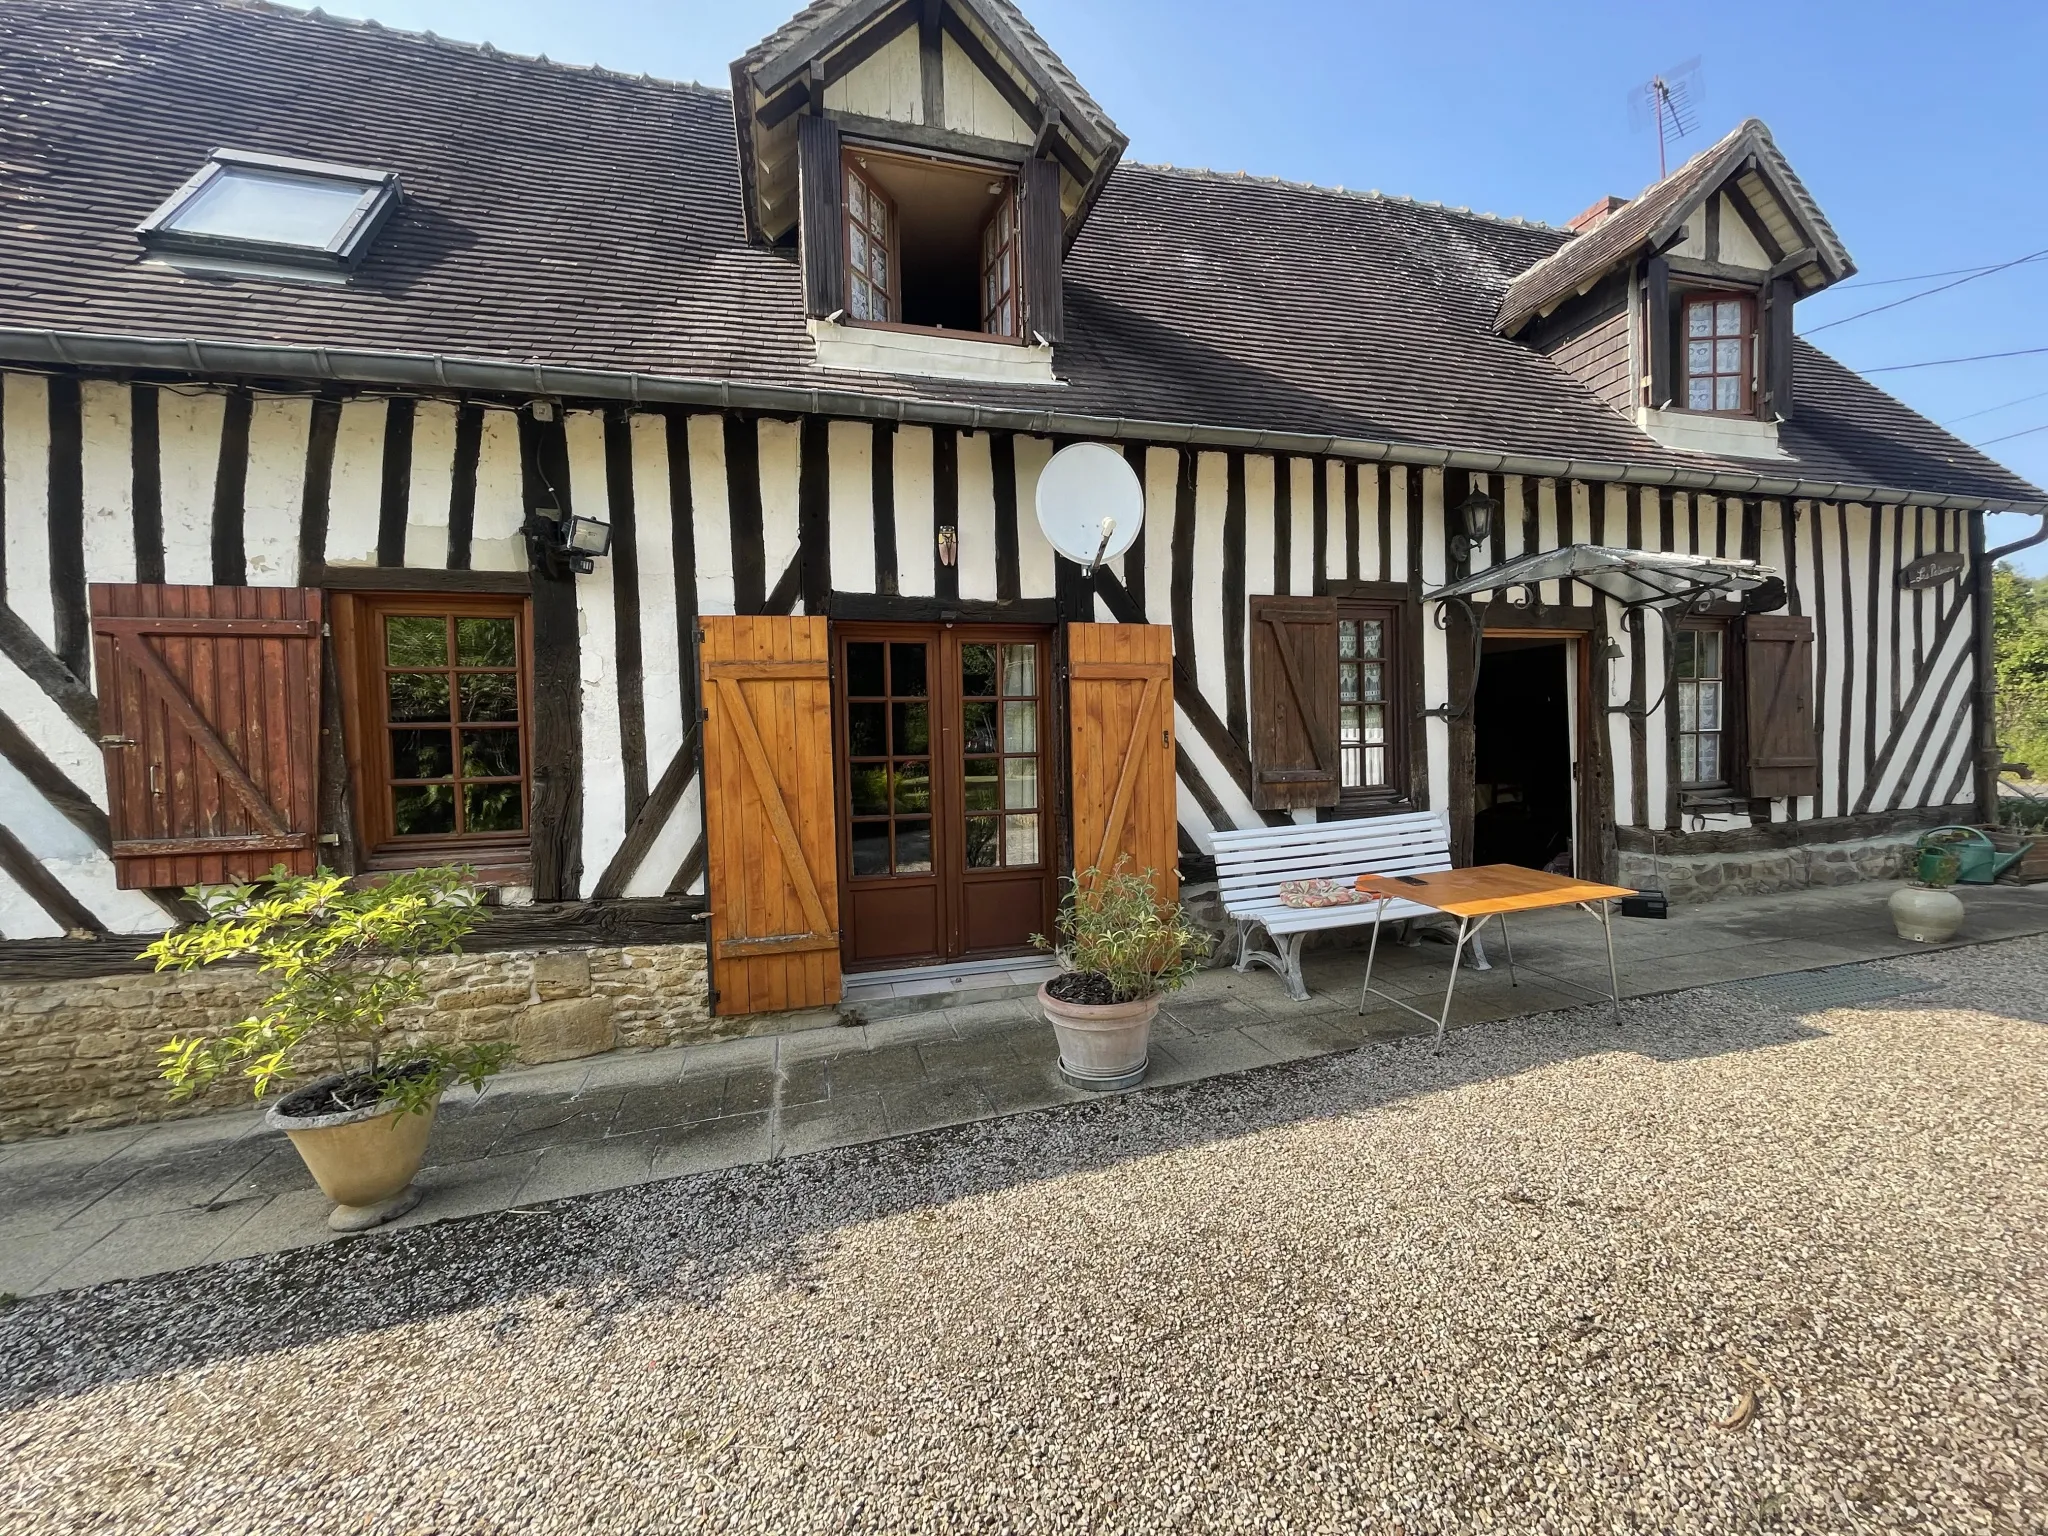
{"x": 444, "y": 371}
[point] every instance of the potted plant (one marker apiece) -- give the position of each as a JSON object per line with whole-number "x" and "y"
{"x": 345, "y": 957}
{"x": 1120, "y": 950}
{"x": 1924, "y": 909}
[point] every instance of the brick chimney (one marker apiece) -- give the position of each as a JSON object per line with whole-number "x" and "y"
{"x": 1596, "y": 214}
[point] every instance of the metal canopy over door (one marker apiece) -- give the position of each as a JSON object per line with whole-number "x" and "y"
{"x": 1120, "y": 727}
{"x": 944, "y": 791}
{"x": 771, "y": 829}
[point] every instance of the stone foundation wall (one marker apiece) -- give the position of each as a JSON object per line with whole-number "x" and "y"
{"x": 82, "y": 1053}
{"x": 1764, "y": 872}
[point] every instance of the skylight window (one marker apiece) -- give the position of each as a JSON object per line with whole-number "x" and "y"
{"x": 244, "y": 209}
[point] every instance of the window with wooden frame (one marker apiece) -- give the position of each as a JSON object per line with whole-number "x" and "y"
{"x": 931, "y": 244}
{"x": 438, "y": 690}
{"x": 1717, "y": 334}
{"x": 1705, "y": 714}
{"x": 1371, "y": 760}
{"x": 870, "y": 249}
{"x": 999, "y": 307}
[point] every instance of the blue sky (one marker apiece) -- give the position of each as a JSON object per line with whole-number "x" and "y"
{"x": 1921, "y": 130}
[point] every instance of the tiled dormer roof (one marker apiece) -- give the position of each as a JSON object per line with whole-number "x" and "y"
{"x": 589, "y": 222}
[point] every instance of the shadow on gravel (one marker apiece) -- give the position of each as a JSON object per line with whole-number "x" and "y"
{"x": 684, "y": 1242}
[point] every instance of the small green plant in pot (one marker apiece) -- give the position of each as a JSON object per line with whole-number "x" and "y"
{"x": 1925, "y": 910}
{"x": 1120, "y": 950}
{"x": 345, "y": 959}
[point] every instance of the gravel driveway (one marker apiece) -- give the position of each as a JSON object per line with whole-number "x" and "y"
{"x": 1728, "y": 1269}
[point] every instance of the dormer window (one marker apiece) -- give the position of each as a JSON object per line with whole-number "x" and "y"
{"x": 247, "y": 211}
{"x": 1719, "y": 355}
{"x": 931, "y": 244}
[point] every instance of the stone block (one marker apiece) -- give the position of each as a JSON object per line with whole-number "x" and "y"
{"x": 460, "y": 998}
{"x": 564, "y": 1029}
{"x": 562, "y": 975}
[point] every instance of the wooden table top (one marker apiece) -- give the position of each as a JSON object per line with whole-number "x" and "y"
{"x": 1486, "y": 889}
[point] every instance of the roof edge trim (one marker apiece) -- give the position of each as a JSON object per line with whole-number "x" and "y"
{"x": 447, "y": 371}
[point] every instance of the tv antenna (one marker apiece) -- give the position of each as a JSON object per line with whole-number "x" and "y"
{"x": 1671, "y": 100}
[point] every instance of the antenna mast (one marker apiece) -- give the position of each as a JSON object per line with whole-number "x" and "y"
{"x": 1671, "y": 101}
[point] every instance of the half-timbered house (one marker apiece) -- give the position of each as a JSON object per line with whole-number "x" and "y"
{"x": 419, "y": 453}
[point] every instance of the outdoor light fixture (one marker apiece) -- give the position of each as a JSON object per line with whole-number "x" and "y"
{"x": 1475, "y": 522}
{"x": 571, "y": 542}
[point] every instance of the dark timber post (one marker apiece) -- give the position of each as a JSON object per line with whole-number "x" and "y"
{"x": 1989, "y": 755}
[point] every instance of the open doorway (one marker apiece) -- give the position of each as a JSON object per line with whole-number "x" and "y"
{"x": 1523, "y": 811}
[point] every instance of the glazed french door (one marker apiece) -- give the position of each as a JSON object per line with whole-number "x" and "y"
{"x": 945, "y": 805}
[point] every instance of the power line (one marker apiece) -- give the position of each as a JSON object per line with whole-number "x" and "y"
{"x": 1943, "y": 362}
{"x": 2029, "y": 432}
{"x": 1990, "y": 409}
{"x": 1919, "y": 277}
{"x": 1925, "y": 293}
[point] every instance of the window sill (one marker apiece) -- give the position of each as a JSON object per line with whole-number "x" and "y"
{"x": 930, "y": 354}
{"x": 1726, "y": 437}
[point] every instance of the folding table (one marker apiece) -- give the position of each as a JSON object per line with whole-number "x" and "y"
{"x": 1476, "y": 896}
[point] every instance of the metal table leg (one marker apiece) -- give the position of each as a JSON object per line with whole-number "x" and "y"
{"x": 1513, "y": 980}
{"x": 1371, "y": 953}
{"x": 1613, "y": 979}
{"x": 1465, "y": 931}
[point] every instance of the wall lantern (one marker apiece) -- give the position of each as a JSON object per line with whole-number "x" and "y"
{"x": 1475, "y": 524}
{"x": 573, "y": 542}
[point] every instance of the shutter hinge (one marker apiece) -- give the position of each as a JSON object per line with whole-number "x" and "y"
{"x": 711, "y": 996}
{"x": 703, "y": 715}
{"x": 117, "y": 741}
{"x": 330, "y": 839}
{"x": 326, "y": 630}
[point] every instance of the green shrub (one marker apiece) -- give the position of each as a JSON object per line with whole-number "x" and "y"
{"x": 345, "y": 958}
{"x": 1114, "y": 926}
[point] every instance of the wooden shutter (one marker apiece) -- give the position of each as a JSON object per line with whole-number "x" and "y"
{"x": 210, "y": 726}
{"x": 821, "y": 217}
{"x": 1040, "y": 226}
{"x": 1778, "y": 351}
{"x": 1120, "y": 736}
{"x": 1784, "y": 758}
{"x": 1294, "y": 702}
{"x": 1662, "y": 328}
{"x": 771, "y": 831}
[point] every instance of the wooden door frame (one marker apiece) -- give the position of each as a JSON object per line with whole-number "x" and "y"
{"x": 1589, "y": 833}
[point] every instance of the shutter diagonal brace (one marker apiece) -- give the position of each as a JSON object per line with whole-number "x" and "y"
{"x": 202, "y": 734}
{"x": 1310, "y": 718}
{"x": 1127, "y": 775}
{"x": 772, "y": 803}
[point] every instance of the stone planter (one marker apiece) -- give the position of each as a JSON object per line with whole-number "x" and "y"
{"x": 362, "y": 1159}
{"x": 1102, "y": 1045}
{"x": 1925, "y": 914}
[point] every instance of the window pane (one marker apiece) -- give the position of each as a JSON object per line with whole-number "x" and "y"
{"x": 1728, "y": 317}
{"x": 868, "y": 788}
{"x": 913, "y": 787}
{"x": 981, "y": 842}
{"x": 856, "y": 198}
{"x": 1020, "y": 840}
{"x": 878, "y": 263}
{"x": 1347, "y": 681}
{"x": 1005, "y": 322}
{"x": 490, "y": 695}
{"x": 1682, "y": 651}
{"x": 1347, "y": 722}
{"x": 412, "y": 640}
{"x": 907, "y": 671}
{"x": 1699, "y": 357}
{"x": 1020, "y": 784}
{"x": 420, "y": 810}
{"x": 1020, "y": 671}
{"x": 864, "y": 670}
{"x": 485, "y": 643}
{"x": 980, "y": 783}
{"x": 858, "y": 249}
{"x": 1371, "y": 636}
{"x": 490, "y": 754}
{"x": 1020, "y": 726}
{"x": 1689, "y": 759}
{"x": 1699, "y": 319}
{"x": 1373, "y": 724}
{"x": 913, "y": 729}
{"x": 880, "y": 306}
{"x": 1348, "y": 768}
{"x": 978, "y": 671}
{"x": 871, "y": 847}
{"x": 1347, "y": 638}
{"x": 492, "y": 808}
{"x": 420, "y": 755}
{"x": 867, "y": 728}
{"x": 1710, "y": 758}
{"x": 1710, "y": 706}
{"x": 1728, "y": 356}
{"x": 1688, "y": 706}
{"x": 979, "y": 722}
{"x": 858, "y": 301}
{"x": 914, "y": 847}
{"x": 1709, "y": 643}
{"x": 1727, "y": 394}
{"x": 1699, "y": 394}
{"x": 1372, "y": 680}
{"x": 256, "y": 205}
{"x": 417, "y": 695}
{"x": 1373, "y": 770}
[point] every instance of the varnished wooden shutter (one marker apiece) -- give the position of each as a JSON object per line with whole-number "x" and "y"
{"x": 1778, "y": 350}
{"x": 1662, "y": 327}
{"x": 210, "y": 726}
{"x": 771, "y": 844}
{"x": 1784, "y": 758}
{"x": 1040, "y": 225}
{"x": 1294, "y": 702}
{"x": 821, "y": 218}
{"x": 1120, "y": 738}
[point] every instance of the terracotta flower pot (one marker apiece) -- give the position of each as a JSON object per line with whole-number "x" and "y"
{"x": 363, "y": 1160}
{"x": 1926, "y": 915}
{"x": 1102, "y": 1045}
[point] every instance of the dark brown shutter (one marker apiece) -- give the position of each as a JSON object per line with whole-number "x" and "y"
{"x": 1662, "y": 328}
{"x": 1778, "y": 351}
{"x": 1294, "y": 702}
{"x": 821, "y": 219}
{"x": 210, "y": 724}
{"x": 1784, "y": 758}
{"x": 1044, "y": 304}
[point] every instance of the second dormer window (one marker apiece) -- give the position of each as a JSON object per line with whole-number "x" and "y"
{"x": 931, "y": 244}
{"x": 1718, "y": 353}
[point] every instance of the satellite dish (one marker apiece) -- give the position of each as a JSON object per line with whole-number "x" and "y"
{"x": 1090, "y": 504}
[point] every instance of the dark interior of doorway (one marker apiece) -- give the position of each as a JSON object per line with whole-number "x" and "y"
{"x": 1522, "y": 755}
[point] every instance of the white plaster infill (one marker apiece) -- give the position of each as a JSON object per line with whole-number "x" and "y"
{"x": 1725, "y": 437}
{"x": 868, "y": 349}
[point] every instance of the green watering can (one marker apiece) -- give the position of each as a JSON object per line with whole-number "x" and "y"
{"x": 1977, "y": 856}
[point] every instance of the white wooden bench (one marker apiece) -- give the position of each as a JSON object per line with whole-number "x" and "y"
{"x": 1251, "y": 866}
